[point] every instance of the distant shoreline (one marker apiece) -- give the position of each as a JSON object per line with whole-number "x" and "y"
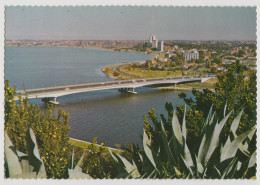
{"x": 87, "y": 47}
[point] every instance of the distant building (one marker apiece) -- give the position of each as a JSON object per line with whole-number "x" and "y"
{"x": 189, "y": 55}
{"x": 161, "y": 46}
{"x": 152, "y": 38}
{"x": 155, "y": 44}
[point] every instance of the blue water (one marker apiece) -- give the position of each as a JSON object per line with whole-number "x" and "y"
{"x": 108, "y": 115}
{"x": 54, "y": 66}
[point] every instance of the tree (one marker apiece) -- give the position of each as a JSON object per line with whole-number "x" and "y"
{"x": 233, "y": 88}
{"x": 148, "y": 64}
{"x": 116, "y": 73}
{"x": 51, "y": 132}
{"x": 241, "y": 53}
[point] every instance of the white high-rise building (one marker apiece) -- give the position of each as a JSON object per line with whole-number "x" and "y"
{"x": 161, "y": 46}
{"x": 152, "y": 38}
{"x": 155, "y": 44}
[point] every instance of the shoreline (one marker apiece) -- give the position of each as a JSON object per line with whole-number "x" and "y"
{"x": 75, "y": 142}
{"x": 86, "y": 47}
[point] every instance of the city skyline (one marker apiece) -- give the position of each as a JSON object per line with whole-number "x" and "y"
{"x": 130, "y": 23}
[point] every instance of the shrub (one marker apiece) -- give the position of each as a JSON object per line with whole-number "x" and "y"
{"x": 30, "y": 164}
{"x": 51, "y": 132}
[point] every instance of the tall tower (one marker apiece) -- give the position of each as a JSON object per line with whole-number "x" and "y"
{"x": 152, "y": 38}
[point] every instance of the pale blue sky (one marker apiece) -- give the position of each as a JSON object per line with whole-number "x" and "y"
{"x": 131, "y": 23}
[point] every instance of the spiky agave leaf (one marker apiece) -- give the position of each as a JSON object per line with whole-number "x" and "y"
{"x": 176, "y": 128}
{"x": 213, "y": 141}
{"x": 207, "y": 136}
{"x": 14, "y": 168}
{"x": 166, "y": 147}
{"x": 77, "y": 173}
{"x": 225, "y": 109}
{"x": 74, "y": 174}
{"x": 147, "y": 150}
{"x": 184, "y": 133}
{"x": 187, "y": 155}
{"x": 235, "y": 122}
{"x": 112, "y": 155}
{"x": 215, "y": 138}
{"x": 131, "y": 169}
{"x": 78, "y": 167}
{"x": 252, "y": 160}
{"x": 72, "y": 159}
{"x": 244, "y": 147}
{"x": 230, "y": 149}
{"x": 33, "y": 155}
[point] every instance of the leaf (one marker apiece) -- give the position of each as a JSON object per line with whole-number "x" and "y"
{"x": 235, "y": 122}
{"x": 131, "y": 169}
{"x": 178, "y": 173}
{"x": 199, "y": 165}
{"x": 176, "y": 127}
{"x": 28, "y": 175}
{"x": 184, "y": 126}
{"x": 112, "y": 155}
{"x": 207, "y": 119}
{"x": 26, "y": 167}
{"x": 42, "y": 172}
{"x": 78, "y": 167}
{"x": 225, "y": 108}
{"x": 187, "y": 155}
{"x": 217, "y": 170}
{"x": 72, "y": 158}
{"x": 229, "y": 171}
{"x": 33, "y": 152}
{"x": 141, "y": 157}
{"x": 252, "y": 160}
{"x": 214, "y": 141}
{"x": 187, "y": 166}
{"x": 74, "y": 174}
{"x": 231, "y": 149}
{"x": 166, "y": 147}
{"x": 147, "y": 150}
{"x": 12, "y": 160}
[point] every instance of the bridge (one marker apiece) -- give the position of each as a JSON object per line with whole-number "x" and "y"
{"x": 50, "y": 94}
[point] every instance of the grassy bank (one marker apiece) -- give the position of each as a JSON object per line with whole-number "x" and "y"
{"x": 86, "y": 145}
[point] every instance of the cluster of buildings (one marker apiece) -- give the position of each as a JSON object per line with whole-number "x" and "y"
{"x": 191, "y": 55}
{"x": 154, "y": 43}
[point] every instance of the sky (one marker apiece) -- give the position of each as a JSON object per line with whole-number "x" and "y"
{"x": 130, "y": 23}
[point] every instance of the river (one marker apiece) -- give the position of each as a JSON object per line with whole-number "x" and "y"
{"x": 110, "y": 116}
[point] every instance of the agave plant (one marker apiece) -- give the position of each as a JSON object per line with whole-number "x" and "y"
{"x": 171, "y": 157}
{"x": 30, "y": 165}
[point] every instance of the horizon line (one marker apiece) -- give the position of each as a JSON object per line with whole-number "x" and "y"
{"x": 233, "y": 40}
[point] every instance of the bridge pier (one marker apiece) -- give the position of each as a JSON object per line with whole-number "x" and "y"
{"x": 132, "y": 91}
{"x": 127, "y": 90}
{"x": 51, "y": 100}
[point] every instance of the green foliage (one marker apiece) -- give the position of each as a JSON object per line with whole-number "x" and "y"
{"x": 170, "y": 156}
{"x": 97, "y": 161}
{"x": 232, "y": 88}
{"x": 51, "y": 132}
{"x": 116, "y": 73}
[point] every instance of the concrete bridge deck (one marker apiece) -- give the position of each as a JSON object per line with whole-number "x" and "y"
{"x": 124, "y": 85}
